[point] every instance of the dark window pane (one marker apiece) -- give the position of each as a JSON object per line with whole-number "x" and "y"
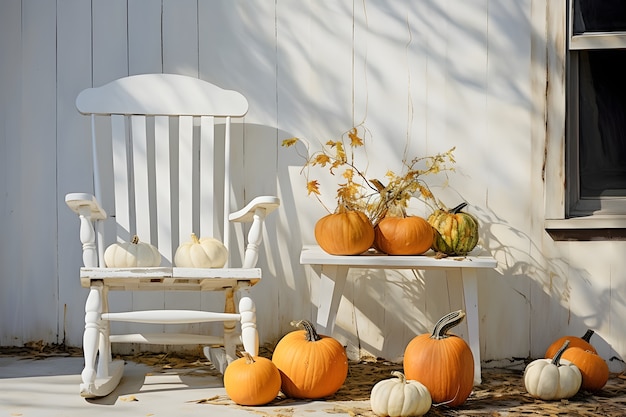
{"x": 602, "y": 101}
{"x": 599, "y": 16}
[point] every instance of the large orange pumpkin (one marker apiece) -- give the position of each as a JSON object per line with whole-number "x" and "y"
{"x": 442, "y": 362}
{"x": 411, "y": 235}
{"x": 574, "y": 341}
{"x": 311, "y": 365}
{"x": 593, "y": 368}
{"x": 344, "y": 233}
{"x": 252, "y": 380}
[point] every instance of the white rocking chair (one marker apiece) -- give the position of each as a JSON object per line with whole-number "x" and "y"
{"x": 158, "y": 171}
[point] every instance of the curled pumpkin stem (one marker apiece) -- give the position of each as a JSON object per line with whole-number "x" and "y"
{"x": 399, "y": 375}
{"x": 447, "y": 322}
{"x": 311, "y": 333}
{"x": 458, "y": 208}
{"x": 557, "y": 356}
{"x": 587, "y": 335}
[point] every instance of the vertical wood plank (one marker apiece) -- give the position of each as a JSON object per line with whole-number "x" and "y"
{"x": 110, "y": 40}
{"x": 185, "y": 177}
{"x": 180, "y": 37}
{"x": 144, "y": 37}
{"x": 208, "y": 200}
{"x": 508, "y": 116}
{"x": 123, "y": 188}
{"x": 145, "y": 55}
{"x": 74, "y": 157}
{"x": 38, "y": 210}
{"x": 168, "y": 239}
{"x": 11, "y": 79}
{"x": 109, "y": 62}
{"x": 141, "y": 171}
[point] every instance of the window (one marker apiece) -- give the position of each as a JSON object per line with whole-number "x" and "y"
{"x": 596, "y": 109}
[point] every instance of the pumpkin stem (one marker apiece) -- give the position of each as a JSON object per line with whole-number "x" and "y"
{"x": 135, "y": 239}
{"x": 458, "y": 208}
{"x": 194, "y": 238}
{"x": 399, "y": 375}
{"x": 311, "y": 333}
{"x": 395, "y": 210}
{"x": 557, "y": 356}
{"x": 446, "y": 323}
{"x": 588, "y": 335}
{"x": 249, "y": 359}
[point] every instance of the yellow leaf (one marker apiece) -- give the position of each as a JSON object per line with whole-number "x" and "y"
{"x": 289, "y": 142}
{"x": 312, "y": 187}
{"x": 321, "y": 159}
{"x": 355, "y": 140}
{"x": 341, "y": 154}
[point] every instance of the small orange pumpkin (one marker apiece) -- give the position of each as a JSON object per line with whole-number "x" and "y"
{"x": 574, "y": 341}
{"x": 442, "y": 362}
{"x": 411, "y": 235}
{"x": 594, "y": 369}
{"x": 252, "y": 380}
{"x": 344, "y": 233}
{"x": 311, "y": 365}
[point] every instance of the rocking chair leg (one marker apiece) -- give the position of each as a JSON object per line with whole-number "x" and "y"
{"x": 230, "y": 339}
{"x": 249, "y": 333}
{"x": 100, "y": 382}
{"x": 221, "y": 357}
{"x": 91, "y": 338}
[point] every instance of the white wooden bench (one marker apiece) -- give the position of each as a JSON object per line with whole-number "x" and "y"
{"x": 334, "y": 271}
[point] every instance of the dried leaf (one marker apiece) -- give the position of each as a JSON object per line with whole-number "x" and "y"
{"x": 130, "y": 398}
{"x": 289, "y": 142}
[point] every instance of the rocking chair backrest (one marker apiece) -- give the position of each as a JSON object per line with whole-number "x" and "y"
{"x": 161, "y": 163}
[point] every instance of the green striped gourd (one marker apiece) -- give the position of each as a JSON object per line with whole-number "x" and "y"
{"x": 457, "y": 231}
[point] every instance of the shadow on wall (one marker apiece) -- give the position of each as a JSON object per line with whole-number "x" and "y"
{"x": 562, "y": 299}
{"x": 528, "y": 302}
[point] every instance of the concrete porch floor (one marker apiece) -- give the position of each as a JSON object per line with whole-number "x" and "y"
{"x": 34, "y": 387}
{"x": 46, "y": 384}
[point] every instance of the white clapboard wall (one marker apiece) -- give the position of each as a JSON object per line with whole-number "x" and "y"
{"x": 423, "y": 76}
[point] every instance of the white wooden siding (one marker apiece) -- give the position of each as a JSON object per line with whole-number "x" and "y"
{"x": 422, "y": 75}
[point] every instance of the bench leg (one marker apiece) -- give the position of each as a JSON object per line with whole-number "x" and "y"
{"x": 329, "y": 292}
{"x": 470, "y": 293}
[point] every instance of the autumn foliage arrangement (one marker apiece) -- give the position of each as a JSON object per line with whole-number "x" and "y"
{"x": 381, "y": 219}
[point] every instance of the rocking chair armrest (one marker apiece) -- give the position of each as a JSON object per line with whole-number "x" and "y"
{"x": 246, "y": 214}
{"x": 79, "y": 201}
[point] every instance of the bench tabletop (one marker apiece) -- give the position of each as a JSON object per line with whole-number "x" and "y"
{"x": 314, "y": 255}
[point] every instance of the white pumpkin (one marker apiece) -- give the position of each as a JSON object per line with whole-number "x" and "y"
{"x": 131, "y": 254}
{"x": 399, "y": 397}
{"x": 201, "y": 253}
{"x": 552, "y": 379}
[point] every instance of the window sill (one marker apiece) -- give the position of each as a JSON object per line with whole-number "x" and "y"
{"x": 587, "y": 228}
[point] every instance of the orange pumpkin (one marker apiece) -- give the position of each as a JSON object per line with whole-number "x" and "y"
{"x": 252, "y": 380}
{"x": 344, "y": 233}
{"x": 410, "y": 235}
{"x": 311, "y": 365}
{"x": 575, "y": 341}
{"x": 594, "y": 370}
{"x": 442, "y": 362}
